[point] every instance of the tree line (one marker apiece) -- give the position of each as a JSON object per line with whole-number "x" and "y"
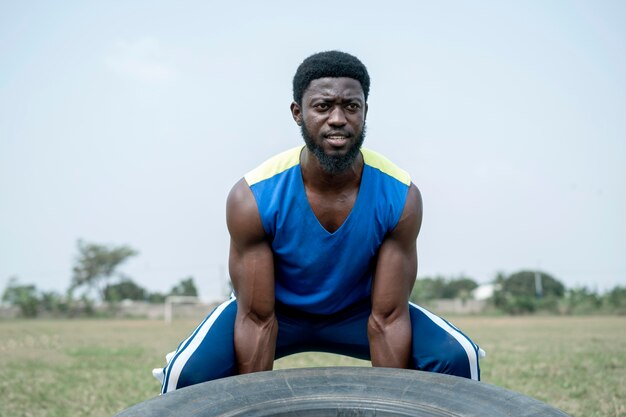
{"x": 524, "y": 292}
{"x": 96, "y": 276}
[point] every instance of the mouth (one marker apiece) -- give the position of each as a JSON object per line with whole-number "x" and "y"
{"x": 337, "y": 141}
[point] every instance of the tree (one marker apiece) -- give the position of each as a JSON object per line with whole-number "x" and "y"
{"x": 523, "y": 283}
{"x": 185, "y": 287}
{"x": 96, "y": 264}
{"x": 127, "y": 289}
{"x": 22, "y": 296}
{"x": 461, "y": 287}
{"x": 53, "y": 302}
{"x": 426, "y": 289}
{"x": 616, "y": 300}
{"x": 155, "y": 298}
{"x": 527, "y": 291}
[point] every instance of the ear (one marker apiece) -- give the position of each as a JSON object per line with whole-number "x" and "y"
{"x": 365, "y": 112}
{"x": 296, "y": 113}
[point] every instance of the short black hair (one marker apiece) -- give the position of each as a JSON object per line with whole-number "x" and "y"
{"x": 329, "y": 64}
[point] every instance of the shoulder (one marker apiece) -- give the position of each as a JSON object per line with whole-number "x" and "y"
{"x": 247, "y": 203}
{"x": 274, "y": 166}
{"x": 410, "y": 222}
{"x": 242, "y": 215}
{"x": 384, "y": 165}
{"x": 414, "y": 201}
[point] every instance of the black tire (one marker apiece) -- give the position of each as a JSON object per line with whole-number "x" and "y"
{"x": 343, "y": 391}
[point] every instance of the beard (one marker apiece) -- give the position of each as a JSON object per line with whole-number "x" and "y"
{"x": 333, "y": 164}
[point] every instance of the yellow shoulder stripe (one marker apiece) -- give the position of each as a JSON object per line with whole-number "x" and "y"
{"x": 275, "y": 165}
{"x": 376, "y": 160}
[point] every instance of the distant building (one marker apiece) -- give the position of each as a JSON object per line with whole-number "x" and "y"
{"x": 483, "y": 292}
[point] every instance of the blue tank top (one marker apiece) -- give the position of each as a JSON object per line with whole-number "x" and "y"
{"x": 317, "y": 271}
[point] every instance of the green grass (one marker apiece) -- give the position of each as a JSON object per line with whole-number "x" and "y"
{"x": 98, "y": 367}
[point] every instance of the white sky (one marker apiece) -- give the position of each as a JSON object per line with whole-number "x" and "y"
{"x": 128, "y": 122}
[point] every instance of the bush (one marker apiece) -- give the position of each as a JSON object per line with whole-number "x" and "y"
{"x": 582, "y": 301}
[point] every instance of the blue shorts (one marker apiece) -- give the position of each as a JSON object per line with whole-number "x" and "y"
{"x": 209, "y": 353}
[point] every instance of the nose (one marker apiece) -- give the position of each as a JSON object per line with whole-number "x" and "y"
{"x": 337, "y": 117}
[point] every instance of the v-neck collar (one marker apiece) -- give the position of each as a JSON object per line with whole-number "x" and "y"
{"x": 355, "y": 206}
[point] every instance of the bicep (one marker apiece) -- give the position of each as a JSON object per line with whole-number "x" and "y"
{"x": 396, "y": 267}
{"x": 251, "y": 263}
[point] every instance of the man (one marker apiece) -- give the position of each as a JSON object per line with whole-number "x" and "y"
{"x": 323, "y": 251}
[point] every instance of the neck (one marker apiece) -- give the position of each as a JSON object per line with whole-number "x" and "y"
{"x": 315, "y": 176}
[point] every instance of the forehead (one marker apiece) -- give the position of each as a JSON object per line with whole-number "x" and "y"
{"x": 334, "y": 87}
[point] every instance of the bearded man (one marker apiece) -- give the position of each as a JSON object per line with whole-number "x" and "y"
{"x": 323, "y": 252}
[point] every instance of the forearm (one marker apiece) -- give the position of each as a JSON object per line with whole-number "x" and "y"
{"x": 255, "y": 343}
{"x": 390, "y": 340}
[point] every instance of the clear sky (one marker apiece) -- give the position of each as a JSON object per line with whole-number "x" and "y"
{"x": 128, "y": 122}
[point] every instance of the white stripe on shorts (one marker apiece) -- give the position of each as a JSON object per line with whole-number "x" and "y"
{"x": 185, "y": 354}
{"x": 470, "y": 350}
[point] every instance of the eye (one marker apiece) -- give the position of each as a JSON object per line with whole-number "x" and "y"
{"x": 322, "y": 106}
{"x": 353, "y": 106}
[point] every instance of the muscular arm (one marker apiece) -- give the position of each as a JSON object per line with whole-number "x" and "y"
{"x": 251, "y": 269}
{"x": 389, "y": 325}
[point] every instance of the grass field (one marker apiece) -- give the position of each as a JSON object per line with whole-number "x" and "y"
{"x": 99, "y": 367}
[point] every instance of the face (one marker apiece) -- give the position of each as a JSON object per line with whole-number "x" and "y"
{"x": 332, "y": 121}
